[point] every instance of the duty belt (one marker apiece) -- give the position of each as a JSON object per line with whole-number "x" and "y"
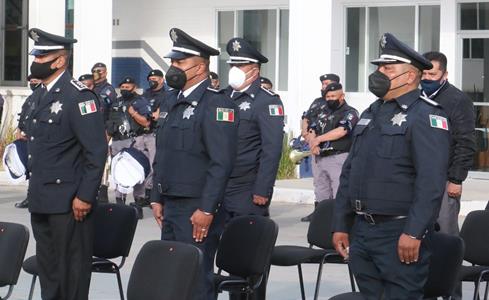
{"x": 374, "y": 218}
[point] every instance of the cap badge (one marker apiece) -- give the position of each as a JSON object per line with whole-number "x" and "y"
{"x": 383, "y": 41}
{"x": 35, "y": 36}
{"x": 236, "y": 46}
{"x": 173, "y": 35}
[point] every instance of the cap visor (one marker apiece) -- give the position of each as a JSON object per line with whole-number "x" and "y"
{"x": 177, "y": 55}
{"x": 238, "y": 62}
{"x": 37, "y": 52}
{"x": 383, "y": 61}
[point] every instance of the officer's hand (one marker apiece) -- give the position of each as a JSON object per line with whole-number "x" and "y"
{"x": 314, "y": 142}
{"x": 155, "y": 115}
{"x": 315, "y": 150}
{"x": 201, "y": 223}
{"x": 80, "y": 209}
{"x": 408, "y": 249}
{"x": 341, "y": 243}
{"x": 158, "y": 213}
{"x": 260, "y": 200}
{"x": 454, "y": 190}
{"x": 20, "y": 135}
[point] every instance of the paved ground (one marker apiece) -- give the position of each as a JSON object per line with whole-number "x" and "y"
{"x": 283, "y": 284}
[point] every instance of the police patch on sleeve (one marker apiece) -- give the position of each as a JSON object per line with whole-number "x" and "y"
{"x": 438, "y": 122}
{"x": 79, "y": 85}
{"x": 87, "y": 107}
{"x": 276, "y": 110}
{"x": 225, "y": 114}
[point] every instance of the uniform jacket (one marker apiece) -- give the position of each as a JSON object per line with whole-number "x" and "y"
{"x": 67, "y": 146}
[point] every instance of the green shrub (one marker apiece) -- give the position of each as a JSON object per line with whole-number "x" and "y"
{"x": 286, "y": 169}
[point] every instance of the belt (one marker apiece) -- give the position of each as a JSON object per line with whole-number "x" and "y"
{"x": 376, "y": 219}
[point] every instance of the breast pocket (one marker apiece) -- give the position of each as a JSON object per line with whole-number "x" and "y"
{"x": 245, "y": 123}
{"x": 50, "y": 125}
{"x": 183, "y": 135}
{"x": 356, "y": 135}
{"x": 393, "y": 143}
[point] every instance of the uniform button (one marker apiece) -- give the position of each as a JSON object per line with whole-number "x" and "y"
{"x": 30, "y": 174}
{"x": 34, "y": 121}
{"x": 32, "y": 138}
{"x": 29, "y": 156}
{"x": 58, "y": 181}
{"x": 50, "y": 121}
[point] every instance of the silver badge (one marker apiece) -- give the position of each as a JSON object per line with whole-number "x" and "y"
{"x": 194, "y": 103}
{"x": 397, "y": 119}
{"x": 56, "y": 107}
{"x": 404, "y": 106}
{"x": 245, "y": 106}
{"x": 188, "y": 112}
{"x": 173, "y": 35}
{"x": 383, "y": 42}
{"x": 163, "y": 115}
{"x": 236, "y": 46}
{"x": 34, "y": 36}
{"x": 363, "y": 122}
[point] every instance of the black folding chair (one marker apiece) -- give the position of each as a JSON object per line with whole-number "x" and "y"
{"x": 13, "y": 244}
{"x": 318, "y": 235}
{"x": 115, "y": 226}
{"x": 244, "y": 251}
{"x": 446, "y": 259}
{"x": 475, "y": 234}
{"x": 165, "y": 270}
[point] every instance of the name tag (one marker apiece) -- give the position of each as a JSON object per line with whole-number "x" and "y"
{"x": 364, "y": 122}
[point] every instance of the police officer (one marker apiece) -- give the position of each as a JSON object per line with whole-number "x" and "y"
{"x": 330, "y": 141}
{"x": 67, "y": 150}
{"x": 266, "y": 83}
{"x": 195, "y": 151}
{"x": 129, "y": 119}
{"x": 87, "y": 79}
{"x": 318, "y": 105}
{"x": 393, "y": 181}
{"x": 250, "y": 187}
{"x": 215, "y": 83}
{"x": 22, "y": 129}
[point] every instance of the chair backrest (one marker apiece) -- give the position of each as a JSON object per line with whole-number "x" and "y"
{"x": 475, "y": 234}
{"x": 446, "y": 260}
{"x": 13, "y": 244}
{"x": 115, "y": 226}
{"x": 246, "y": 245}
{"x": 165, "y": 270}
{"x": 319, "y": 233}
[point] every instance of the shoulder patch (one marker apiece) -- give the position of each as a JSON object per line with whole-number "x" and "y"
{"x": 429, "y": 101}
{"x": 438, "y": 122}
{"x": 87, "y": 107}
{"x": 276, "y": 110}
{"x": 79, "y": 85}
{"x": 268, "y": 91}
{"x": 225, "y": 114}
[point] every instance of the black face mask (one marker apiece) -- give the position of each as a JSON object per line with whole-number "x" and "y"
{"x": 176, "y": 77}
{"x": 126, "y": 94}
{"x": 323, "y": 93}
{"x": 33, "y": 86}
{"x": 333, "y": 104}
{"x": 42, "y": 71}
{"x": 152, "y": 84}
{"x": 379, "y": 84}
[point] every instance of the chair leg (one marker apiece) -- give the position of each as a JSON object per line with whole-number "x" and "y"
{"x": 33, "y": 284}
{"x": 318, "y": 281}
{"x": 119, "y": 282}
{"x": 476, "y": 288}
{"x": 485, "y": 293}
{"x": 352, "y": 279}
{"x": 301, "y": 282}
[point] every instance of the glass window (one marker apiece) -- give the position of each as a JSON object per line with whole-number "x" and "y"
{"x": 398, "y": 20}
{"x": 477, "y": 48}
{"x": 13, "y": 47}
{"x": 468, "y": 16}
{"x": 355, "y": 50}
{"x": 429, "y": 28}
{"x": 483, "y": 15}
{"x": 261, "y": 29}
{"x": 225, "y": 33}
{"x": 283, "y": 83}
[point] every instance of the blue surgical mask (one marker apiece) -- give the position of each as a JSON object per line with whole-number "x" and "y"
{"x": 431, "y": 86}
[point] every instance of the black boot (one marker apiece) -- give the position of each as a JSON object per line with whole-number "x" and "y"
{"x": 138, "y": 208}
{"x": 120, "y": 200}
{"x": 147, "y": 196}
{"x": 103, "y": 196}
{"x": 23, "y": 204}
{"x": 308, "y": 218}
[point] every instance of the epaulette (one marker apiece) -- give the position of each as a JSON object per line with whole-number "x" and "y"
{"x": 79, "y": 85}
{"x": 429, "y": 101}
{"x": 214, "y": 90}
{"x": 268, "y": 91}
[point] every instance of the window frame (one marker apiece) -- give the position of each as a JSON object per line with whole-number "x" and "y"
{"x": 353, "y": 4}
{"x": 278, "y": 20}
{"x": 24, "y": 60}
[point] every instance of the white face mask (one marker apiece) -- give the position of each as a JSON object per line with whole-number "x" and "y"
{"x": 236, "y": 77}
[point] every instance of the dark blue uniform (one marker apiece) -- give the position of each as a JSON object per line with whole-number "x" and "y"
{"x": 396, "y": 167}
{"x": 107, "y": 96}
{"x": 261, "y": 121}
{"x": 195, "y": 153}
{"x": 155, "y": 98}
{"x": 25, "y": 114}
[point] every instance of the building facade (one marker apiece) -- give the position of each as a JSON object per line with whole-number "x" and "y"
{"x": 302, "y": 39}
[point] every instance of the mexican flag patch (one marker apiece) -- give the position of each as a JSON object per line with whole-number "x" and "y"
{"x": 276, "y": 110}
{"x": 438, "y": 122}
{"x": 87, "y": 107}
{"x": 225, "y": 114}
